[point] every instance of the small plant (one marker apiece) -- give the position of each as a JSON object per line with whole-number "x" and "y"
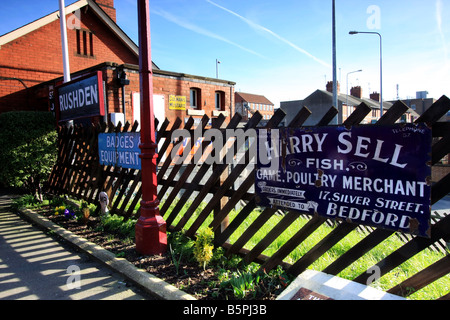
{"x": 56, "y": 201}
{"x": 176, "y": 261}
{"x": 59, "y": 210}
{"x": 25, "y": 201}
{"x": 242, "y": 283}
{"x": 248, "y": 282}
{"x": 112, "y": 222}
{"x": 180, "y": 249}
{"x": 115, "y": 223}
{"x": 203, "y": 247}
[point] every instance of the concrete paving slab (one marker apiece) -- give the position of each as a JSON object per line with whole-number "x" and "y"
{"x": 33, "y": 266}
{"x": 32, "y": 246}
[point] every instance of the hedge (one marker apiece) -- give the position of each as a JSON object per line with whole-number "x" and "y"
{"x": 27, "y": 149}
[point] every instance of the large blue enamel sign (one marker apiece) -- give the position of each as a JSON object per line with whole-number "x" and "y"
{"x": 371, "y": 175}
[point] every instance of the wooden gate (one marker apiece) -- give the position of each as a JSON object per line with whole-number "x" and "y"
{"x": 221, "y": 196}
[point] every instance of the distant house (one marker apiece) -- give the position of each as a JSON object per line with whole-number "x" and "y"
{"x": 320, "y": 101}
{"x": 247, "y": 104}
{"x": 421, "y": 103}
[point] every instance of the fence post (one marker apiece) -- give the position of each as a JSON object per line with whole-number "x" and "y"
{"x": 223, "y": 201}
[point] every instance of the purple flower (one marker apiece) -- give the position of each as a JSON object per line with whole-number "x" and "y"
{"x": 69, "y": 214}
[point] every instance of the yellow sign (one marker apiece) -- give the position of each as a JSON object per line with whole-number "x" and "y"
{"x": 177, "y": 102}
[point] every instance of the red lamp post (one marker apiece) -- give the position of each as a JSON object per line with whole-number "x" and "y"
{"x": 151, "y": 237}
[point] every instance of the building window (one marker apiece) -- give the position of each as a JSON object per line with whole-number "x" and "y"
{"x": 195, "y": 98}
{"x": 91, "y": 44}
{"x": 220, "y": 101}
{"x": 85, "y": 43}
{"x": 78, "y": 41}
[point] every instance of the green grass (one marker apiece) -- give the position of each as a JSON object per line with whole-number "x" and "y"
{"x": 412, "y": 266}
{"x": 417, "y": 263}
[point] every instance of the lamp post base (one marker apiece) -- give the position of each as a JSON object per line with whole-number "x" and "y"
{"x": 150, "y": 232}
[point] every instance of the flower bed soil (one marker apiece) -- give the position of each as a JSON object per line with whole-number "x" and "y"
{"x": 201, "y": 283}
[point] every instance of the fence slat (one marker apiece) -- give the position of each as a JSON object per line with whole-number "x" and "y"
{"x": 250, "y": 231}
{"x": 168, "y": 162}
{"x": 404, "y": 253}
{"x": 435, "y": 112}
{"x": 393, "y": 114}
{"x": 359, "y": 114}
{"x": 185, "y": 197}
{"x": 181, "y": 180}
{"x": 77, "y": 173}
{"x": 422, "y": 278}
{"x": 358, "y": 250}
{"x": 292, "y": 243}
{"x": 323, "y": 246}
{"x": 326, "y": 119}
{"x": 214, "y": 179}
{"x": 287, "y": 220}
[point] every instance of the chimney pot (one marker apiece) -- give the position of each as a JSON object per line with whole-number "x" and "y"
{"x": 375, "y": 96}
{"x": 356, "y": 92}
{"x": 330, "y": 87}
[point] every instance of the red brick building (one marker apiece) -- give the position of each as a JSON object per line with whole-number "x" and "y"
{"x": 248, "y": 103}
{"x": 31, "y": 66}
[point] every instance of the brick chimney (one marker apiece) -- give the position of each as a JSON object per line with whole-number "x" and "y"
{"x": 330, "y": 87}
{"x": 375, "y": 96}
{"x": 108, "y": 7}
{"x": 356, "y": 92}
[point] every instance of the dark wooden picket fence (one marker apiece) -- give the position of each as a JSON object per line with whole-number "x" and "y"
{"x": 195, "y": 195}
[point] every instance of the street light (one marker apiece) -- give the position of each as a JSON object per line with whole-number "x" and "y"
{"x": 347, "y": 83}
{"x": 381, "y": 65}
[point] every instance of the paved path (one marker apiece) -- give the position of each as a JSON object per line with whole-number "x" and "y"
{"x": 35, "y": 266}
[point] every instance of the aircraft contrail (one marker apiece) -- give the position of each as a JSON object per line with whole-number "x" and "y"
{"x": 259, "y": 27}
{"x": 192, "y": 27}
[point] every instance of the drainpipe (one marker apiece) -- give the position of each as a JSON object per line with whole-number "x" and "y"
{"x": 123, "y": 81}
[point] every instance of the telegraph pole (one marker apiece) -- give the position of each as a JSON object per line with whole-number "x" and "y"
{"x": 335, "y": 93}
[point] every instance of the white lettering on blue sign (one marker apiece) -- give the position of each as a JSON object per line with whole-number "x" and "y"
{"x": 79, "y": 98}
{"x": 374, "y": 175}
{"x": 120, "y": 149}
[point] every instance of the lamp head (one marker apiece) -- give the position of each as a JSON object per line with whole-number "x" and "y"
{"x": 353, "y": 32}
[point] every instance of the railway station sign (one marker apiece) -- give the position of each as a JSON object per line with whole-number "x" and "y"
{"x": 120, "y": 149}
{"x": 81, "y": 98}
{"x": 371, "y": 175}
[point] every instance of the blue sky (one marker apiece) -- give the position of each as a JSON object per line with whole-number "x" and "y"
{"x": 282, "y": 49}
